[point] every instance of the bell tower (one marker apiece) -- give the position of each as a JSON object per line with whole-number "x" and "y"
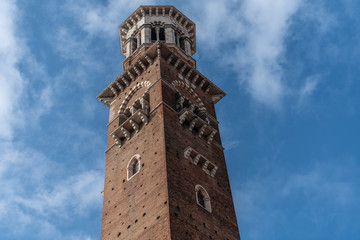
{"x": 165, "y": 175}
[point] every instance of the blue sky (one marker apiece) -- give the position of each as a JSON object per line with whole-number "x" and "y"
{"x": 290, "y": 121}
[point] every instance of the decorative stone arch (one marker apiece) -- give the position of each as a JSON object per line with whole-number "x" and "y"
{"x": 202, "y": 197}
{"x": 131, "y": 93}
{"x": 187, "y": 87}
{"x": 133, "y": 166}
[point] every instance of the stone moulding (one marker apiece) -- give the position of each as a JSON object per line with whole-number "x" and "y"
{"x": 191, "y": 77}
{"x": 129, "y": 127}
{"x": 197, "y": 159}
{"x": 204, "y": 128}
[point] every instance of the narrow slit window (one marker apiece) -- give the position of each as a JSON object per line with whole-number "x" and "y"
{"x": 153, "y": 35}
{"x": 162, "y": 34}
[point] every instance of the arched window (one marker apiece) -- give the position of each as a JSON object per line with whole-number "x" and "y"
{"x": 202, "y": 198}
{"x": 133, "y": 166}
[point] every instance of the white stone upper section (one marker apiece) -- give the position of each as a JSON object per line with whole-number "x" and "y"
{"x": 149, "y": 24}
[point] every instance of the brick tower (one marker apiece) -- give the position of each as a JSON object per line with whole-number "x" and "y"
{"x": 166, "y": 176}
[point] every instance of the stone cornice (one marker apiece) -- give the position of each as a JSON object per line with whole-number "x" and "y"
{"x": 190, "y": 74}
{"x": 129, "y": 75}
{"x": 175, "y": 57}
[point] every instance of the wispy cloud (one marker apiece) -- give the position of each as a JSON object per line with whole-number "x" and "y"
{"x": 309, "y": 194}
{"x": 308, "y": 88}
{"x": 11, "y": 80}
{"x": 266, "y": 24}
{"x": 32, "y": 192}
{"x": 96, "y": 18}
{"x": 249, "y": 36}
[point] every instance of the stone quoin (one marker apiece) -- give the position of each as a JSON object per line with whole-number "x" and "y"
{"x": 165, "y": 174}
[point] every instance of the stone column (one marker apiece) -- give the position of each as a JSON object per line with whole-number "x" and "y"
{"x": 146, "y": 33}
{"x": 169, "y": 34}
{"x": 187, "y": 46}
{"x": 177, "y": 39}
{"x": 157, "y": 29}
{"x": 138, "y": 40}
{"x": 128, "y": 47}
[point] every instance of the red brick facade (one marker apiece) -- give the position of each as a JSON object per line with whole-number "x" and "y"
{"x": 175, "y": 132}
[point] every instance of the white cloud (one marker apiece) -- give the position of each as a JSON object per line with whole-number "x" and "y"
{"x": 19, "y": 99}
{"x": 99, "y": 19}
{"x": 11, "y": 81}
{"x": 308, "y": 194}
{"x": 308, "y": 88}
{"x": 33, "y": 192}
{"x": 266, "y": 24}
{"x": 249, "y": 36}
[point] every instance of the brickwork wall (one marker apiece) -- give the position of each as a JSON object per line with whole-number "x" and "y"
{"x": 188, "y": 219}
{"x": 159, "y": 202}
{"x": 138, "y": 208}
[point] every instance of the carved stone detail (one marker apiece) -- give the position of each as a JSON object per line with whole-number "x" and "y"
{"x": 198, "y": 159}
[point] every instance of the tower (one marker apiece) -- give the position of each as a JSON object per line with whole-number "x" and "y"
{"x": 165, "y": 175}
